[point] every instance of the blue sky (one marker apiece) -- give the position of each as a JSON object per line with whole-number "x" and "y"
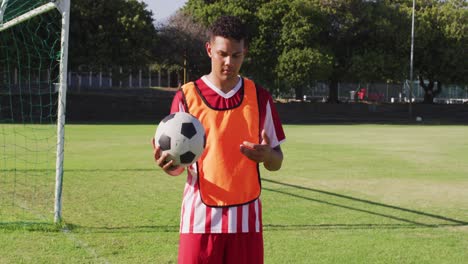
{"x": 163, "y": 9}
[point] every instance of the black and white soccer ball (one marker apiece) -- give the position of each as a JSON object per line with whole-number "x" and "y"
{"x": 182, "y": 136}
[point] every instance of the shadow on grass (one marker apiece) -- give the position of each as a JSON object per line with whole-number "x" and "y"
{"x": 410, "y": 223}
{"x": 272, "y": 227}
{"x": 30, "y": 226}
{"x": 70, "y": 227}
{"x": 121, "y": 229}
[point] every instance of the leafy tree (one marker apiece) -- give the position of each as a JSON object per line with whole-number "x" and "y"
{"x": 339, "y": 40}
{"x": 264, "y": 49}
{"x": 348, "y": 40}
{"x": 298, "y": 66}
{"x": 440, "y": 45}
{"x": 183, "y": 43}
{"x": 117, "y": 32}
{"x": 208, "y": 11}
{"x": 302, "y": 59}
{"x": 364, "y": 39}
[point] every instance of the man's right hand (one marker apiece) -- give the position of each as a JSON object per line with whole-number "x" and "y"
{"x": 162, "y": 161}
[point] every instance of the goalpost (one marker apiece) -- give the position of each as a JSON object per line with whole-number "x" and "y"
{"x": 33, "y": 85}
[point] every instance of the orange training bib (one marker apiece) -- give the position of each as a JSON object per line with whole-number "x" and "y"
{"x": 227, "y": 177}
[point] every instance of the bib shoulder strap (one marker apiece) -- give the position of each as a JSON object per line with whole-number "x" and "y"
{"x": 184, "y": 90}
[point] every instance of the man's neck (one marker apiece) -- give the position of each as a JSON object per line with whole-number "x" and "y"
{"x": 225, "y": 86}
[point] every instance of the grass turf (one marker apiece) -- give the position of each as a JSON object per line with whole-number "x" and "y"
{"x": 345, "y": 194}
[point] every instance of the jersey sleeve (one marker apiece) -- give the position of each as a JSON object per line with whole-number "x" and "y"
{"x": 178, "y": 104}
{"x": 269, "y": 118}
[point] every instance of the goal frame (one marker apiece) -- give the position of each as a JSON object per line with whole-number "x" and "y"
{"x": 63, "y": 6}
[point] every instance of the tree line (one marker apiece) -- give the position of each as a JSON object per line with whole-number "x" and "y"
{"x": 292, "y": 42}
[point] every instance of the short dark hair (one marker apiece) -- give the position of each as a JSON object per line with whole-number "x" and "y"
{"x": 228, "y": 27}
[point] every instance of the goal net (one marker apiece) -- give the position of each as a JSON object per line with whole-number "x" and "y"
{"x": 33, "y": 60}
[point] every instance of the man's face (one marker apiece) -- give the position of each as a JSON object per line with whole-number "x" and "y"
{"x": 226, "y": 56}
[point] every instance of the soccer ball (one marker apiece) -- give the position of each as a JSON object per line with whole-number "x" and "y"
{"x": 182, "y": 136}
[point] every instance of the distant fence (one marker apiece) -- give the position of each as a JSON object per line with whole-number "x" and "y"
{"x": 350, "y": 92}
{"x": 384, "y": 92}
{"x": 315, "y": 91}
{"x": 151, "y": 105}
{"x": 123, "y": 77}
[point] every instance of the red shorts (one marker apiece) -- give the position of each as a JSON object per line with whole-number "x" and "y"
{"x": 239, "y": 248}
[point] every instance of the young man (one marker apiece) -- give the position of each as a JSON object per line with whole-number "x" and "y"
{"x": 221, "y": 219}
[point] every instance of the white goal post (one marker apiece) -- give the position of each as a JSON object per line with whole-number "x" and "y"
{"x": 32, "y": 11}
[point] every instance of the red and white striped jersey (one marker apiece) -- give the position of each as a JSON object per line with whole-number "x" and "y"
{"x": 196, "y": 217}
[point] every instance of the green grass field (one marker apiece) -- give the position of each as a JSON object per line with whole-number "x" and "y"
{"x": 345, "y": 194}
